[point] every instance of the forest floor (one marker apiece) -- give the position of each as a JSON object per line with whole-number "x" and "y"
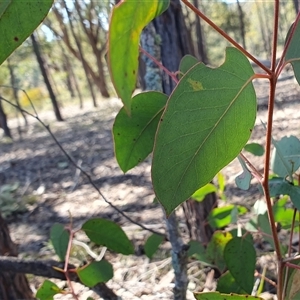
{"x": 51, "y": 189}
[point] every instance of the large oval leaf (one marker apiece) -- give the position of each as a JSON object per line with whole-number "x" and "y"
{"x": 286, "y": 156}
{"x": 18, "y": 20}
{"x": 109, "y": 234}
{"x": 240, "y": 258}
{"x": 207, "y": 121}
{"x": 134, "y": 135}
{"x": 126, "y": 24}
{"x": 95, "y": 272}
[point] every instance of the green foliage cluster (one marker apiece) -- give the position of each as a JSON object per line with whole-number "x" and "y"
{"x": 204, "y": 124}
{"x": 102, "y": 232}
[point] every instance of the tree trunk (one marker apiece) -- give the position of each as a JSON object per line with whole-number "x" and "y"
{"x": 67, "y": 68}
{"x": 296, "y": 5}
{"x": 202, "y": 55}
{"x": 13, "y": 286}
{"x": 171, "y": 28}
{"x": 3, "y": 122}
{"x": 262, "y": 28}
{"x": 40, "y": 60}
{"x": 97, "y": 77}
{"x": 242, "y": 23}
{"x": 13, "y": 82}
{"x": 78, "y": 44}
{"x": 92, "y": 32}
{"x": 150, "y": 74}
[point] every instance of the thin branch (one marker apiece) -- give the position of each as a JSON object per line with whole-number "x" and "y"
{"x": 47, "y": 127}
{"x": 254, "y": 171}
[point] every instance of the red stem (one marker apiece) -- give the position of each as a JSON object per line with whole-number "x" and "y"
{"x": 172, "y": 75}
{"x": 67, "y": 258}
{"x": 265, "y": 185}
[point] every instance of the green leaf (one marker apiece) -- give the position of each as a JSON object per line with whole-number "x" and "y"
{"x": 218, "y": 296}
{"x": 152, "y": 244}
{"x": 280, "y": 186}
{"x": 47, "y": 290}
{"x": 197, "y": 251}
{"x": 4, "y": 5}
{"x": 95, "y": 272}
{"x": 187, "y": 62}
{"x": 216, "y": 248}
{"x": 293, "y": 286}
{"x": 221, "y": 182}
{"x": 227, "y": 284}
{"x": 263, "y": 224}
{"x": 126, "y": 24}
{"x": 293, "y": 51}
{"x": 59, "y": 237}
{"x": 200, "y": 194}
{"x": 240, "y": 257}
{"x": 134, "y": 136}
{"x": 286, "y": 156}
{"x": 18, "y": 20}
{"x": 248, "y": 237}
{"x": 284, "y": 215}
{"x": 255, "y": 149}
{"x": 109, "y": 234}
{"x": 222, "y": 216}
{"x": 243, "y": 180}
{"x": 207, "y": 121}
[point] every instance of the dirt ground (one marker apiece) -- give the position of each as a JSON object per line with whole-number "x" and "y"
{"x": 52, "y": 189}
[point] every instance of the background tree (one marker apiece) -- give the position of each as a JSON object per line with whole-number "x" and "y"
{"x": 44, "y": 72}
{"x": 94, "y": 35}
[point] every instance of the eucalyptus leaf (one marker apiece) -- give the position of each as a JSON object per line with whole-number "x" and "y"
{"x": 18, "y": 20}
{"x": 198, "y": 133}
{"x": 126, "y": 24}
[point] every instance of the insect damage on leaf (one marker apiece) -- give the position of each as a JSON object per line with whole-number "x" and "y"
{"x": 195, "y": 85}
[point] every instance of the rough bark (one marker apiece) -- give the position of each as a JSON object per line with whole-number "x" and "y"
{"x": 151, "y": 74}
{"x": 13, "y": 285}
{"x": 40, "y": 60}
{"x": 171, "y": 28}
{"x": 196, "y": 214}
